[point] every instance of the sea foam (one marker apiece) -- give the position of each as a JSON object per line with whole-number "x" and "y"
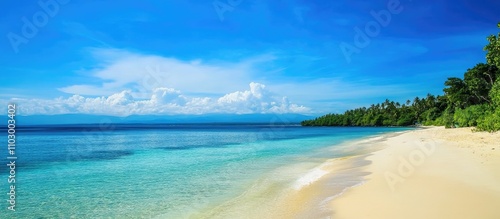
{"x": 310, "y": 177}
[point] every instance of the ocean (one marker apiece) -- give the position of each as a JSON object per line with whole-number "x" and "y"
{"x": 162, "y": 170}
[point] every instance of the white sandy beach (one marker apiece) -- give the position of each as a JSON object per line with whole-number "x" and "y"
{"x": 428, "y": 173}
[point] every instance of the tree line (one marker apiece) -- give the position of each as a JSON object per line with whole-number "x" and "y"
{"x": 471, "y": 101}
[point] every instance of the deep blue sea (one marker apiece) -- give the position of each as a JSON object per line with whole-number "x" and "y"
{"x": 158, "y": 171}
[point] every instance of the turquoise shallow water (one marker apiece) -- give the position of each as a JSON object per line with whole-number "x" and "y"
{"x": 162, "y": 171}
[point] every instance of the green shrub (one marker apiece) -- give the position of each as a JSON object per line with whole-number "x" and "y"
{"x": 490, "y": 122}
{"x": 495, "y": 94}
{"x": 470, "y": 116}
{"x": 447, "y": 118}
{"x": 439, "y": 121}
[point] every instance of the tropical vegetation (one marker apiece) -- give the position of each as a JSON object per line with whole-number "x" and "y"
{"x": 473, "y": 101}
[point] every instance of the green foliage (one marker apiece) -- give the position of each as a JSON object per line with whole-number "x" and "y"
{"x": 491, "y": 122}
{"x": 472, "y": 101}
{"x": 495, "y": 94}
{"x": 431, "y": 114}
{"x": 438, "y": 122}
{"x": 405, "y": 120}
{"x": 456, "y": 91}
{"x": 447, "y": 118}
{"x": 388, "y": 113}
{"x": 479, "y": 81}
{"x": 471, "y": 116}
{"x": 493, "y": 49}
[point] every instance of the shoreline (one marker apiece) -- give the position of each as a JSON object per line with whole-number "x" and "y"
{"x": 343, "y": 174}
{"x": 295, "y": 191}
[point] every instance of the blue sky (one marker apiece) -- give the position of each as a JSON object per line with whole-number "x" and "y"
{"x": 230, "y": 56}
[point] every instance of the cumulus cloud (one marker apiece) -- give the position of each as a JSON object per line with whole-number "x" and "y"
{"x": 258, "y": 99}
{"x": 166, "y": 101}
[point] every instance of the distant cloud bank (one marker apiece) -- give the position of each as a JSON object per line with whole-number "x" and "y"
{"x": 166, "y": 101}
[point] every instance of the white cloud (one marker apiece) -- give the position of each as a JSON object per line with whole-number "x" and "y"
{"x": 258, "y": 99}
{"x": 122, "y": 70}
{"x": 167, "y": 95}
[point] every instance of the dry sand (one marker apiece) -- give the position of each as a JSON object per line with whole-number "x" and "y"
{"x": 428, "y": 173}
